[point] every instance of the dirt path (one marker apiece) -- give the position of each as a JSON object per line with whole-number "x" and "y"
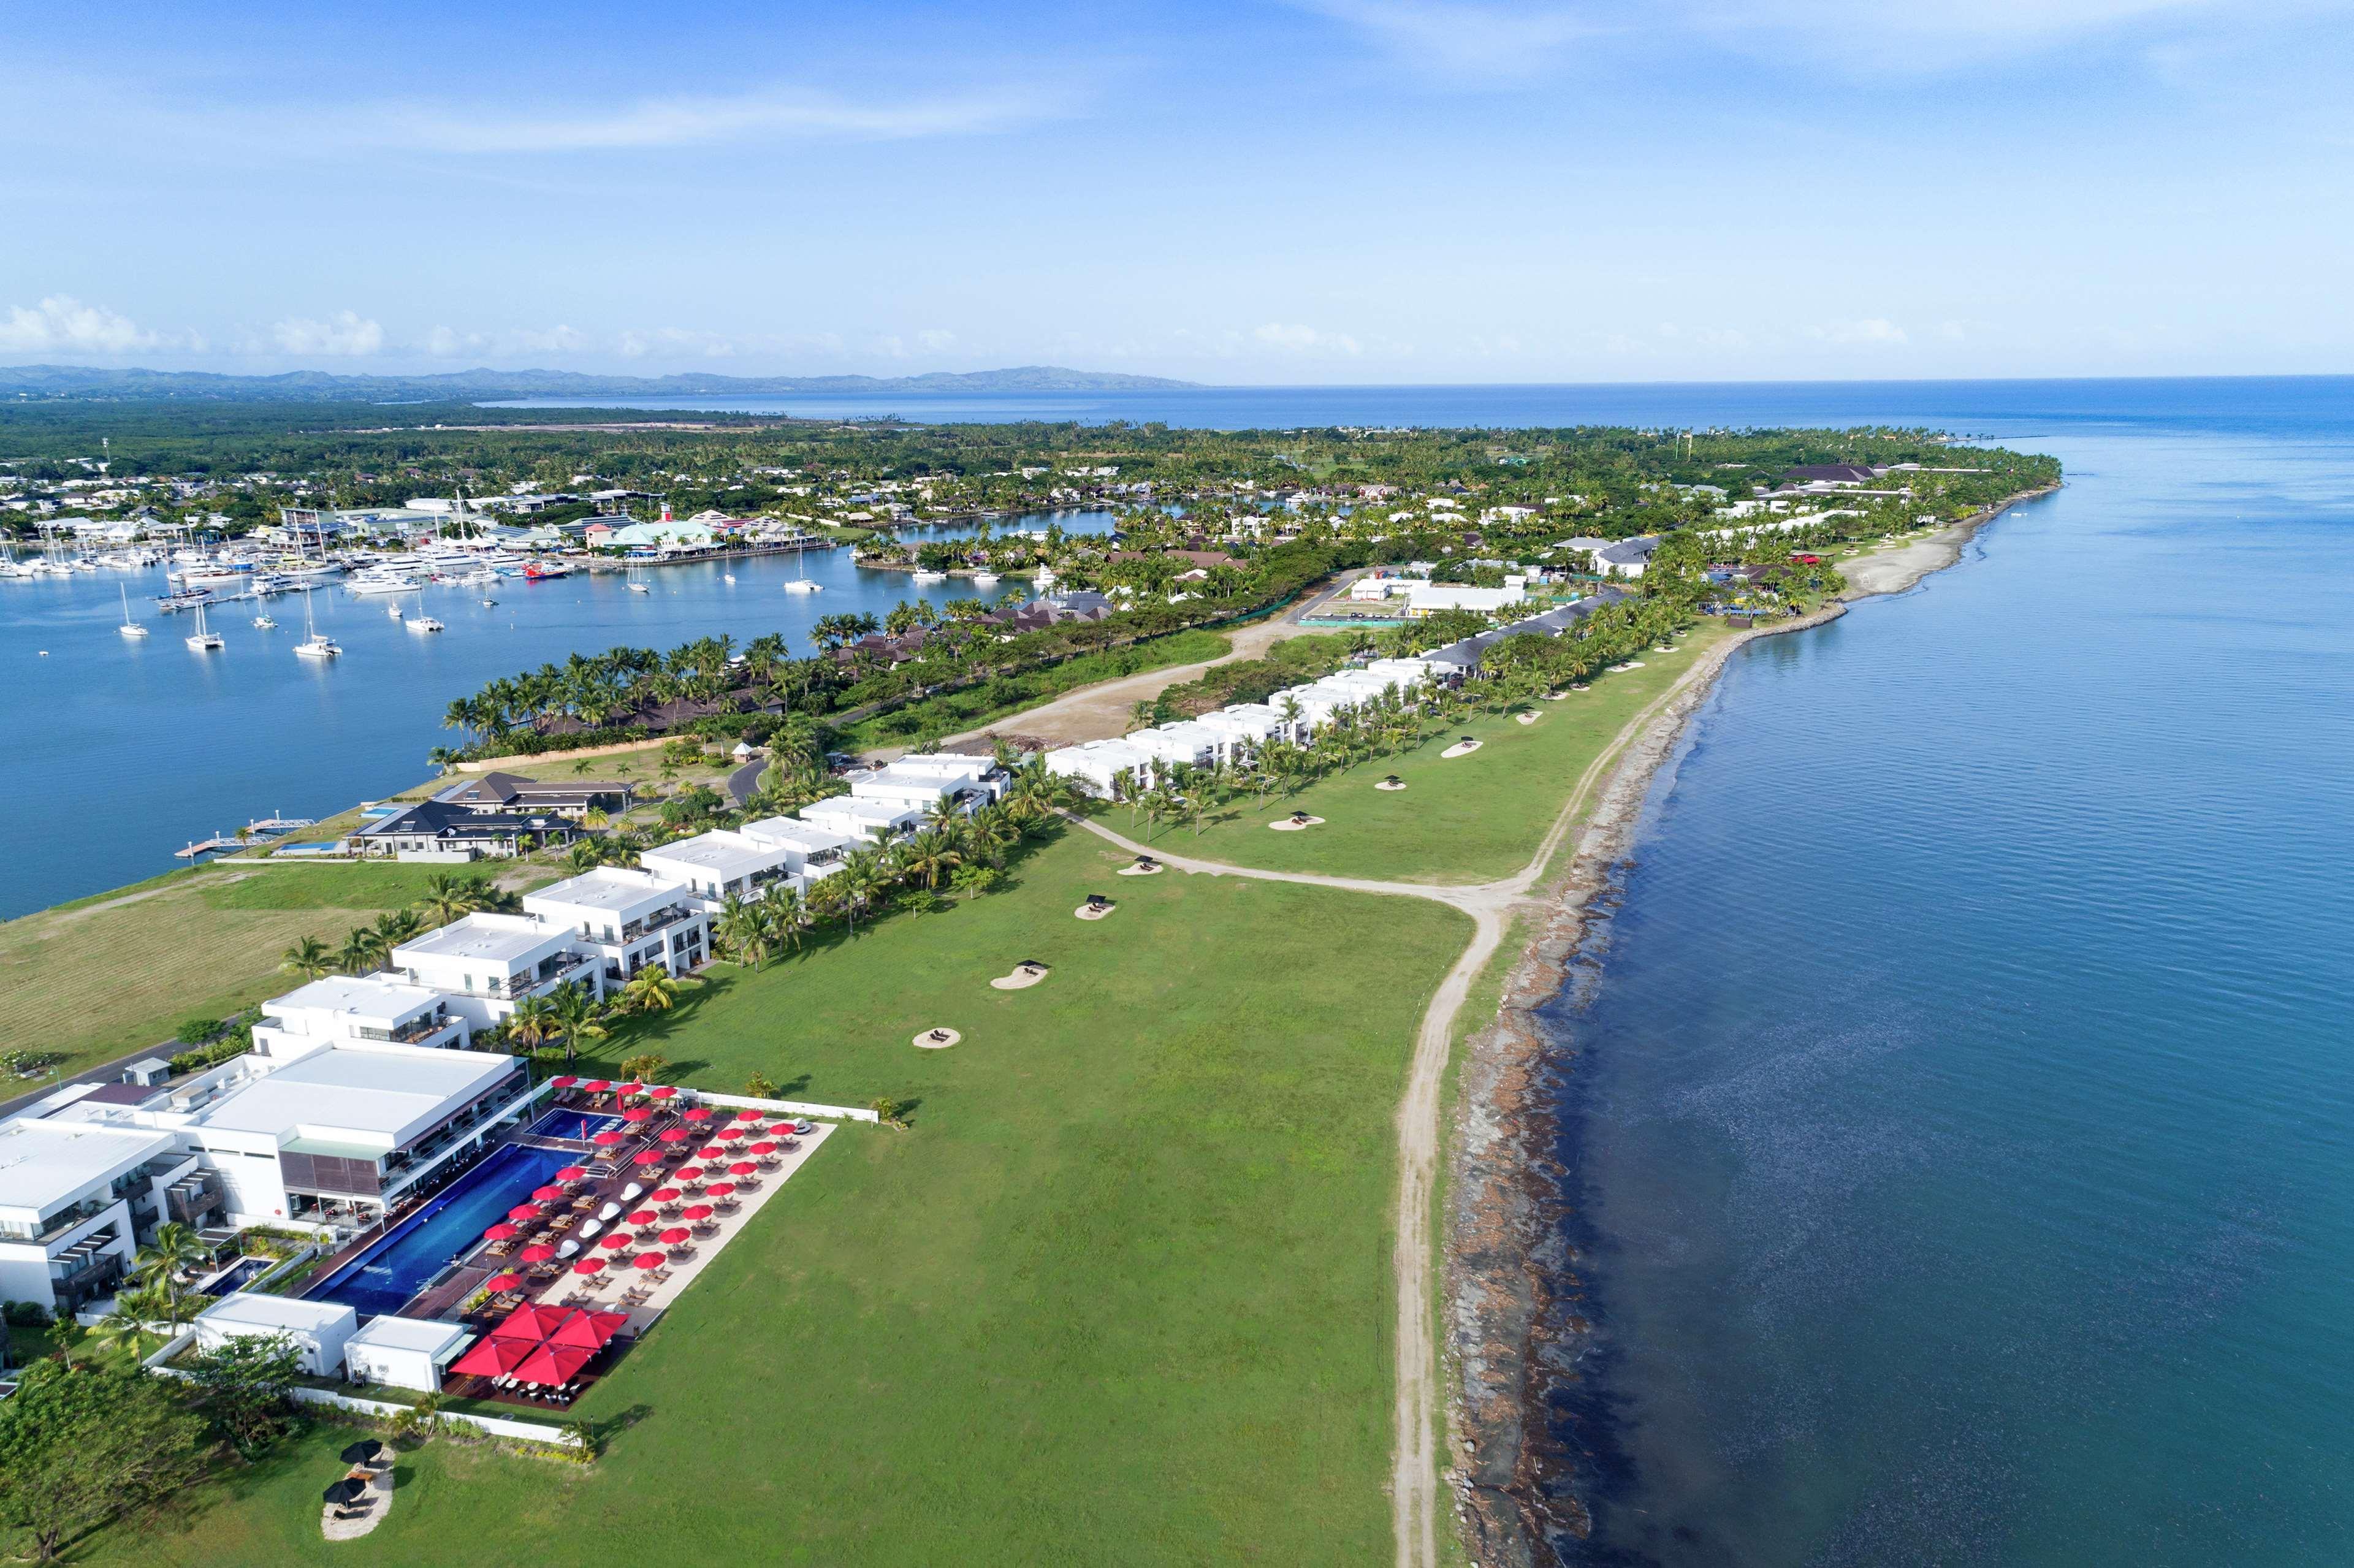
{"x": 1414, "y": 1501}
{"x": 1105, "y": 712}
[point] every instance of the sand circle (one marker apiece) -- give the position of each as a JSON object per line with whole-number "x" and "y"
{"x": 1526, "y": 718}
{"x": 356, "y": 1524}
{"x": 1665, "y": 648}
{"x": 1556, "y": 697}
{"x": 937, "y": 1039}
{"x": 1297, "y": 824}
{"x": 1581, "y": 688}
{"x": 1461, "y": 748}
{"x": 1094, "y": 911}
{"x": 1629, "y": 664}
{"x": 1155, "y": 869}
{"x": 1024, "y": 975}
{"x": 1391, "y": 784}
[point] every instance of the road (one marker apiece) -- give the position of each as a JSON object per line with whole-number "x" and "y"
{"x": 1415, "y": 1486}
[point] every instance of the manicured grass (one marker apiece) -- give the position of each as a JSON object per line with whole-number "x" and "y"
{"x": 1470, "y": 819}
{"x": 1119, "y": 1294}
{"x": 118, "y": 973}
{"x": 978, "y": 705}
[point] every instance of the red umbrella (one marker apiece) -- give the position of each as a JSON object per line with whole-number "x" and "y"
{"x": 588, "y": 1265}
{"x": 662, "y": 1092}
{"x": 673, "y": 1135}
{"x": 612, "y": 1241}
{"x": 606, "y": 1138}
{"x": 649, "y": 1260}
{"x": 644, "y": 1217}
{"x": 596, "y": 1085}
{"x": 539, "y": 1254}
{"x": 552, "y": 1364}
{"x": 547, "y": 1194}
{"x": 698, "y": 1212}
{"x": 530, "y": 1323}
{"x": 648, "y": 1157}
{"x": 637, "y": 1113}
{"x": 494, "y": 1357}
{"x": 717, "y": 1151}
{"x": 676, "y": 1234}
{"x": 763, "y": 1147}
{"x": 697, "y": 1113}
{"x": 722, "y": 1188}
{"x": 663, "y": 1195}
{"x": 498, "y": 1282}
{"x": 729, "y": 1133}
{"x": 573, "y": 1173}
{"x": 523, "y": 1212}
{"x": 688, "y": 1173}
{"x": 501, "y": 1232}
{"x": 748, "y": 1114}
{"x": 743, "y": 1168}
{"x": 562, "y": 1081}
{"x": 631, "y": 1087}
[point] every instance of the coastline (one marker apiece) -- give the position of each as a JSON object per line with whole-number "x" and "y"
{"x": 1514, "y": 1328}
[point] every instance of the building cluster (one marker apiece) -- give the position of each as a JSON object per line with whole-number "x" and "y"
{"x": 361, "y": 1091}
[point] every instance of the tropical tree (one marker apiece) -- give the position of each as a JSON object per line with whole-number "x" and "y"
{"x": 930, "y": 855}
{"x": 447, "y": 897}
{"x": 358, "y": 954}
{"x": 533, "y": 1023}
{"x": 743, "y": 929}
{"x": 81, "y": 1446}
{"x": 174, "y": 1252}
{"x": 651, "y": 989}
{"x": 309, "y": 957}
{"x": 577, "y": 1016}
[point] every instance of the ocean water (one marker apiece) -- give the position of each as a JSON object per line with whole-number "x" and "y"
{"x": 1959, "y": 1127}
{"x": 118, "y": 752}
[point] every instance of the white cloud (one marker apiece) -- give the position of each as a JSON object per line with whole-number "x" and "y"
{"x": 60, "y": 322}
{"x": 936, "y": 339}
{"x": 1305, "y": 340}
{"x": 1459, "y": 39}
{"x": 672, "y": 343}
{"x": 687, "y": 121}
{"x": 346, "y": 335}
{"x": 1874, "y": 330}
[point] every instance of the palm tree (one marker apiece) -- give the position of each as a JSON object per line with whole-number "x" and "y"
{"x": 309, "y": 957}
{"x": 447, "y": 897}
{"x": 651, "y": 990}
{"x": 744, "y": 931}
{"x": 787, "y": 917}
{"x": 357, "y": 955}
{"x": 857, "y": 885}
{"x": 930, "y": 855}
{"x": 174, "y": 1251}
{"x": 577, "y": 1016}
{"x": 397, "y": 927}
{"x": 533, "y": 1022}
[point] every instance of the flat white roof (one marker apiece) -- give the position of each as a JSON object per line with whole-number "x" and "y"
{"x": 492, "y": 938}
{"x": 44, "y": 1163}
{"x": 283, "y": 1314}
{"x": 722, "y": 853}
{"x": 386, "y": 1093}
{"x": 610, "y": 888}
{"x": 388, "y": 1333}
{"x": 370, "y": 996}
{"x": 791, "y": 831}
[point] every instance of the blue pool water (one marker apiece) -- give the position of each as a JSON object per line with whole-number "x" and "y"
{"x": 571, "y": 1124}
{"x": 409, "y": 1255}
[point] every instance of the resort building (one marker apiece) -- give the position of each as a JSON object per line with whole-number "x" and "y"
{"x": 1183, "y": 744}
{"x": 511, "y": 793}
{"x": 484, "y": 963}
{"x": 441, "y": 831}
{"x": 1247, "y": 726}
{"x": 404, "y": 1352}
{"x": 75, "y": 1201}
{"x": 1107, "y": 767}
{"x": 814, "y": 852}
{"x": 720, "y": 865}
{"x": 349, "y": 1008}
{"x": 866, "y": 822}
{"x": 317, "y": 1330}
{"x": 628, "y": 919}
{"x": 927, "y": 780}
{"x": 1429, "y": 599}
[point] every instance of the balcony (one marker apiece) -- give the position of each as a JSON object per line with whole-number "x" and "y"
{"x": 669, "y": 915}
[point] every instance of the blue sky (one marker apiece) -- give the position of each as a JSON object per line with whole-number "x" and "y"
{"x": 1315, "y": 191}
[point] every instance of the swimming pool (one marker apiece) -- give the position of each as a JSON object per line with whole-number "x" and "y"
{"x": 582, "y": 1125}
{"x": 400, "y": 1263}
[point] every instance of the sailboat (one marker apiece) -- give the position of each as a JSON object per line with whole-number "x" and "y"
{"x": 420, "y": 621}
{"x": 129, "y": 628}
{"x": 799, "y": 582}
{"x": 636, "y": 586}
{"x": 313, "y": 645}
{"x": 204, "y": 642}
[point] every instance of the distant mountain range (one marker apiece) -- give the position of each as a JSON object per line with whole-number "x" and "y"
{"x": 482, "y": 385}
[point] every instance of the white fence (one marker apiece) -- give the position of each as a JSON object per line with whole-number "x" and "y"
{"x": 786, "y": 1108}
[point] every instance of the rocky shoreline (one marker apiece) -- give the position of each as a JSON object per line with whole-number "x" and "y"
{"x": 1515, "y": 1333}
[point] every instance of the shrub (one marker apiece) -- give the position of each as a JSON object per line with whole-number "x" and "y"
{"x": 196, "y": 1031}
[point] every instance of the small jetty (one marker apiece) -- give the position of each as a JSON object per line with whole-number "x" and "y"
{"x": 228, "y": 844}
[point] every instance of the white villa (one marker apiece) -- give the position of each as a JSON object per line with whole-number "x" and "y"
{"x": 815, "y": 851}
{"x": 346, "y": 1009}
{"x": 485, "y": 963}
{"x": 74, "y": 1201}
{"x": 720, "y": 865}
{"x": 1429, "y": 599}
{"x": 628, "y": 919}
{"x": 885, "y": 802}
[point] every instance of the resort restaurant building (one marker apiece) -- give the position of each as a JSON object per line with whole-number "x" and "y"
{"x": 628, "y": 919}
{"x": 485, "y": 963}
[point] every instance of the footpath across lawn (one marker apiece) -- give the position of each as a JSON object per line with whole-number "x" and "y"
{"x": 1469, "y": 819}
{"x": 1119, "y": 1294}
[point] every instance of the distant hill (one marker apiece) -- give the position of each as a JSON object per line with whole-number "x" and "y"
{"x": 75, "y": 381}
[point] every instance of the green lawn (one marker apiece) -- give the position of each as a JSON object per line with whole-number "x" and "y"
{"x": 1119, "y": 1294}
{"x": 118, "y": 972}
{"x": 1470, "y": 819}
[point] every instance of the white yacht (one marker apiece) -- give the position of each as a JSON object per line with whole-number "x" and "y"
{"x": 129, "y": 628}
{"x": 421, "y": 622}
{"x": 266, "y": 622}
{"x": 925, "y": 579}
{"x": 377, "y": 582}
{"x": 204, "y": 641}
{"x": 984, "y": 580}
{"x": 799, "y": 582}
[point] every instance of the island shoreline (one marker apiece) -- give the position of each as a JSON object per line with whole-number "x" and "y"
{"x": 1513, "y": 1334}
